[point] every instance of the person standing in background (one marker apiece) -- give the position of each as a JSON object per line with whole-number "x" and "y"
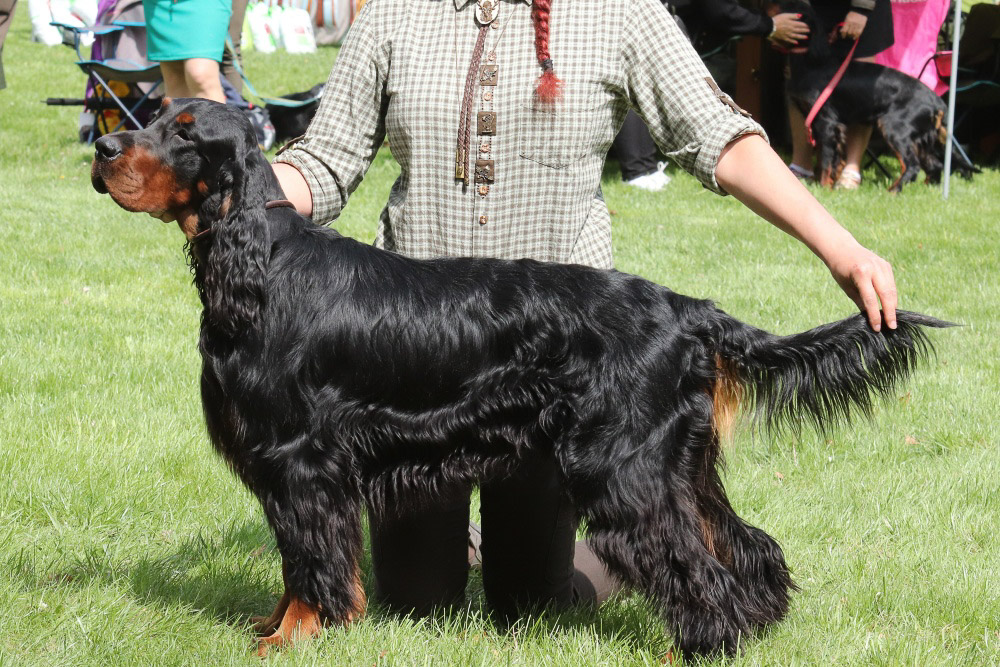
{"x": 187, "y": 38}
{"x": 708, "y": 24}
{"x": 6, "y": 16}
{"x": 233, "y": 58}
{"x": 869, "y": 22}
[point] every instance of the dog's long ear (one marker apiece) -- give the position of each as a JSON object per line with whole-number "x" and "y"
{"x": 237, "y": 263}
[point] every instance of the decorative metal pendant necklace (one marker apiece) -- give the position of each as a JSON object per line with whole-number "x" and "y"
{"x": 487, "y": 11}
{"x": 486, "y": 16}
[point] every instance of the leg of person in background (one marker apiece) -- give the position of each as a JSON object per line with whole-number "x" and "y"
{"x": 6, "y": 15}
{"x": 235, "y": 36}
{"x": 194, "y": 77}
{"x": 857, "y": 141}
{"x": 636, "y": 153}
{"x": 802, "y": 153}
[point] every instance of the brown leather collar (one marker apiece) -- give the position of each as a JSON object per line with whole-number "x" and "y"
{"x": 274, "y": 203}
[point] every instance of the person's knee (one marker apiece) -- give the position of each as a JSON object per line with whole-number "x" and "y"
{"x": 202, "y": 75}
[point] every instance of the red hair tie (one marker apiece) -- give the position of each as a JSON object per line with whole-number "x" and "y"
{"x": 549, "y": 87}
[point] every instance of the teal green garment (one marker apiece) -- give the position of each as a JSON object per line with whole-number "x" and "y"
{"x": 182, "y": 29}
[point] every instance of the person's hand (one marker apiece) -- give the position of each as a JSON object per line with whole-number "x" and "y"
{"x": 868, "y": 281}
{"x": 854, "y": 25}
{"x": 788, "y": 29}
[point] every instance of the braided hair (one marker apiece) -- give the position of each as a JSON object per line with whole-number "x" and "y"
{"x": 549, "y": 86}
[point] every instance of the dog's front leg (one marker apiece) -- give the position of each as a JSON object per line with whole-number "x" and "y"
{"x": 299, "y": 621}
{"x": 318, "y": 530}
{"x": 294, "y": 619}
{"x": 266, "y": 625}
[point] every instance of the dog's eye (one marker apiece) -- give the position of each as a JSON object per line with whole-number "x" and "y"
{"x": 183, "y": 135}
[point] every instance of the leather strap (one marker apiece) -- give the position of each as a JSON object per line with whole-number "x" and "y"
{"x": 462, "y": 151}
{"x": 825, "y": 95}
{"x": 274, "y": 203}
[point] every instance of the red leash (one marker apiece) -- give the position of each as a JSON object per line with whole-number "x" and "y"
{"x": 825, "y": 95}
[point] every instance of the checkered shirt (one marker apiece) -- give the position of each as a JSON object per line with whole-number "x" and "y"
{"x": 401, "y": 74}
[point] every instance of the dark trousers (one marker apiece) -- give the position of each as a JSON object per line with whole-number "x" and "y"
{"x": 529, "y": 550}
{"x": 634, "y": 148}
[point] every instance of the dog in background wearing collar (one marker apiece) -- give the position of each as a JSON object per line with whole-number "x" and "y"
{"x": 906, "y": 113}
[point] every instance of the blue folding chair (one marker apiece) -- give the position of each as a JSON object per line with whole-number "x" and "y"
{"x": 118, "y": 56}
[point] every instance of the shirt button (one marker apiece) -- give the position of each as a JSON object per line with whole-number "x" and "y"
{"x": 483, "y": 219}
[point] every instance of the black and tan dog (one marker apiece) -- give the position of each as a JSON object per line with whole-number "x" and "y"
{"x": 907, "y": 114}
{"x": 336, "y": 374}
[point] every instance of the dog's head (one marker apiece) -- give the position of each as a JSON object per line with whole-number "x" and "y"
{"x": 198, "y": 163}
{"x": 183, "y": 166}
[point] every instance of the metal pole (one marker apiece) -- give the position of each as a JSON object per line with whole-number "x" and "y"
{"x": 956, "y": 30}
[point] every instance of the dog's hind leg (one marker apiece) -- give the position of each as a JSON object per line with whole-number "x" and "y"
{"x": 753, "y": 557}
{"x": 642, "y": 497}
{"x": 902, "y": 145}
{"x": 831, "y": 141}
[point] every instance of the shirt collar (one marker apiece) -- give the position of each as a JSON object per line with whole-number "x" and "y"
{"x": 462, "y": 3}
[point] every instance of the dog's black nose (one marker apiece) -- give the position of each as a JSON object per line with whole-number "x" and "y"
{"x": 108, "y": 148}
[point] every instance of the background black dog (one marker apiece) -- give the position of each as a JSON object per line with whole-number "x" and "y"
{"x": 907, "y": 114}
{"x": 291, "y": 122}
{"x": 336, "y": 374}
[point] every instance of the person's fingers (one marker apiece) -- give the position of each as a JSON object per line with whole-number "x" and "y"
{"x": 885, "y": 287}
{"x": 869, "y": 303}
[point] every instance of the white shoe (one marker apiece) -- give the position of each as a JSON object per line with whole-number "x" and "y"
{"x": 653, "y": 181}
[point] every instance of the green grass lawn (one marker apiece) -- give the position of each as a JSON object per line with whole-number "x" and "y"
{"x": 124, "y": 540}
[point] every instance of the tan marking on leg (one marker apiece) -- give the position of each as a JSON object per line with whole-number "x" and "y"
{"x": 300, "y": 621}
{"x": 266, "y": 625}
{"x": 902, "y": 170}
{"x": 360, "y": 600}
{"x": 727, "y": 397}
{"x": 826, "y": 178}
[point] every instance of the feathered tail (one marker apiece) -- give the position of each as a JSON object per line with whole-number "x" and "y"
{"x": 822, "y": 375}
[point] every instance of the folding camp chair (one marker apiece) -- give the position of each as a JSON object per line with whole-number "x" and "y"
{"x": 978, "y": 87}
{"x": 121, "y": 80}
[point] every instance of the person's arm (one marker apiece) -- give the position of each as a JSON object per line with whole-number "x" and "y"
{"x": 728, "y": 16}
{"x": 705, "y": 133}
{"x": 857, "y": 18}
{"x": 753, "y": 173}
{"x": 319, "y": 172}
{"x": 295, "y": 187}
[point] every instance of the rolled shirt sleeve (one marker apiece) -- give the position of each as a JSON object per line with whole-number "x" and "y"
{"x": 689, "y": 117}
{"x": 349, "y": 126}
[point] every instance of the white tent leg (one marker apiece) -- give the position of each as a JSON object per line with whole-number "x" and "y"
{"x": 956, "y": 31}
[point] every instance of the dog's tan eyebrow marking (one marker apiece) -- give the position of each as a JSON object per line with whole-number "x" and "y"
{"x": 184, "y": 118}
